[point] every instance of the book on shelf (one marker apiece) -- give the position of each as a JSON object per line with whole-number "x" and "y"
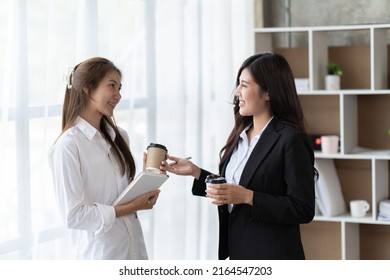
{"x": 384, "y": 210}
{"x": 329, "y": 195}
{"x": 144, "y": 182}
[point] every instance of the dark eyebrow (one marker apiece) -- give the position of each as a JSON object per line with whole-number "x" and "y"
{"x": 115, "y": 82}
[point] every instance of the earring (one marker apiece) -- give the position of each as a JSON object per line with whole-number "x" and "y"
{"x": 267, "y": 98}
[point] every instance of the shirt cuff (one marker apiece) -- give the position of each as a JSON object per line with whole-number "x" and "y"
{"x": 107, "y": 213}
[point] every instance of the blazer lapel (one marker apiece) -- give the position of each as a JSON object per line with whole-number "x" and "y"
{"x": 268, "y": 138}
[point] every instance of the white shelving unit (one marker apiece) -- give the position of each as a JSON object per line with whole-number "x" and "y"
{"x": 359, "y": 112}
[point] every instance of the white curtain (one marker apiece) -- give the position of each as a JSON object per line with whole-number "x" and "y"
{"x": 179, "y": 59}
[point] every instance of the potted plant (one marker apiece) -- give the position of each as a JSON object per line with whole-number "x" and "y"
{"x": 332, "y": 79}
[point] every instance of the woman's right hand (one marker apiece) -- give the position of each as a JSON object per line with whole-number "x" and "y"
{"x": 180, "y": 166}
{"x": 145, "y": 201}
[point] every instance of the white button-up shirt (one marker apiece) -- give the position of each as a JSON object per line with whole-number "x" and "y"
{"x": 240, "y": 156}
{"x": 87, "y": 179}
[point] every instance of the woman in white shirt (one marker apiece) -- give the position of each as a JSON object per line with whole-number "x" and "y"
{"x": 91, "y": 165}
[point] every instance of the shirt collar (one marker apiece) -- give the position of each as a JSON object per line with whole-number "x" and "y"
{"x": 243, "y": 134}
{"x": 89, "y": 131}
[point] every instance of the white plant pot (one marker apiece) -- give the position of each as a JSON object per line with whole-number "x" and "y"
{"x": 332, "y": 82}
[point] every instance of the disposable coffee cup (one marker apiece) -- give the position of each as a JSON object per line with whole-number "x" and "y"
{"x": 156, "y": 153}
{"x": 214, "y": 179}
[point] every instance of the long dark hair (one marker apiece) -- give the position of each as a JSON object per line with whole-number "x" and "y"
{"x": 274, "y": 75}
{"x": 87, "y": 75}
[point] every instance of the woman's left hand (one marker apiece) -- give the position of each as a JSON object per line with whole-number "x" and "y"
{"x": 229, "y": 194}
{"x": 145, "y": 156}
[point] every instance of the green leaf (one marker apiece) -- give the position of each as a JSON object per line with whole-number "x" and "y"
{"x": 334, "y": 69}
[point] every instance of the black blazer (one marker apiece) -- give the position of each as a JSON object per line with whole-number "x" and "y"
{"x": 280, "y": 171}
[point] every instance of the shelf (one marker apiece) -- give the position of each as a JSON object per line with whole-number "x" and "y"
{"x": 345, "y": 92}
{"x": 347, "y": 218}
{"x": 373, "y": 155}
{"x": 321, "y": 28}
{"x": 359, "y": 113}
{"x": 322, "y": 240}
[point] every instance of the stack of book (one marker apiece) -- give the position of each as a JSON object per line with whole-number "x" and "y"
{"x": 384, "y": 210}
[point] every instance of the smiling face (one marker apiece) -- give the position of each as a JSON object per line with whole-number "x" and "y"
{"x": 104, "y": 98}
{"x": 252, "y": 100}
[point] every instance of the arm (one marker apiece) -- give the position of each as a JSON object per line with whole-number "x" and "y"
{"x": 199, "y": 185}
{"x": 79, "y": 210}
{"x": 230, "y": 194}
{"x": 277, "y": 197}
{"x": 181, "y": 166}
{"x": 185, "y": 167}
{"x": 142, "y": 202}
{"x": 76, "y": 210}
{"x": 224, "y": 193}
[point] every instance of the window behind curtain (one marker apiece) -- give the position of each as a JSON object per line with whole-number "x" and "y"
{"x": 39, "y": 42}
{"x": 178, "y": 59}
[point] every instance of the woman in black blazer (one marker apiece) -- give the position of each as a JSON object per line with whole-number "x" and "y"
{"x": 268, "y": 163}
